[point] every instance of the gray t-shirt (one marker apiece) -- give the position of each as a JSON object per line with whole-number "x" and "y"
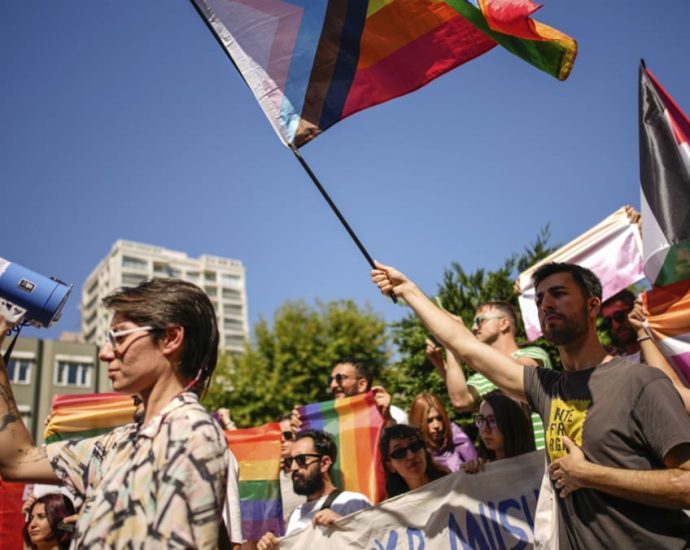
{"x": 623, "y": 415}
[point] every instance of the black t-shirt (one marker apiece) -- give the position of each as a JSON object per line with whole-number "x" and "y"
{"x": 623, "y": 415}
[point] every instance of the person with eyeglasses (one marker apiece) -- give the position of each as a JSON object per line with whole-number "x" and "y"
{"x": 311, "y": 458}
{"x": 505, "y": 430}
{"x": 496, "y": 325}
{"x": 623, "y": 317}
{"x": 618, "y": 437}
{"x": 159, "y": 482}
{"x": 406, "y": 461}
{"x": 352, "y": 376}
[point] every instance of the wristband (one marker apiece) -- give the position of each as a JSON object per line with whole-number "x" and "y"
{"x": 643, "y": 338}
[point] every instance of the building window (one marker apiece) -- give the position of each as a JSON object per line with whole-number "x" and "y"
{"x": 230, "y": 323}
{"x": 129, "y": 279}
{"x": 231, "y": 294}
{"x": 232, "y": 309}
{"x": 19, "y": 370}
{"x": 232, "y": 281}
{"x": 128, "y": 262}
{"x": 73, "y": 373}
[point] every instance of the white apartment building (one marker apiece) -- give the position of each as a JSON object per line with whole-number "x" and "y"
{"x": 130, "y": 263}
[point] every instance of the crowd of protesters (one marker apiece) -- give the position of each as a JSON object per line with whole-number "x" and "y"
{"x": 620, "y": 473}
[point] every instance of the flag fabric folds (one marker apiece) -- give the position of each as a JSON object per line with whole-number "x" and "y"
{"x": 669, "y": 323}
{"x": 665, "y": 183}
{"x": 312, "y": 63}
{"x": 612, "y": 249}
{"x": 257, "y": 451}
{"x": 356, "y": 424}
{"x": 87, "y": 415}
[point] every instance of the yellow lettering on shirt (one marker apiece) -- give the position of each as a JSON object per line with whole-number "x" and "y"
{"x": 566, "y": 418}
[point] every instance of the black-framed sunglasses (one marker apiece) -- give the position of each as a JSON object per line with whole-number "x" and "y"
{"x": 300, "y": 460}
{"x": 413, "y": 447}
{"x": 618, "y": 316}
{"x": 288, "y": 436}
{"x": 339, "y": 378}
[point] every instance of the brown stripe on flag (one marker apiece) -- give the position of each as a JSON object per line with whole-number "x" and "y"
{"x": 322, "y": 71}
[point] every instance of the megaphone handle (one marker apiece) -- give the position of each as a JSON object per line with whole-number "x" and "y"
{"x": 8, "y": 351}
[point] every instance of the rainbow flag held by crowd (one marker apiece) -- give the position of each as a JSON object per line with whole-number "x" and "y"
{"x": 669, "y": 322}
{"x": 665, "y": 183}
{"x": 257, "y": 451}
{"x": 312, "y": 63}
{"x": 87, "y": 415}
{"x": 356, "y": 424}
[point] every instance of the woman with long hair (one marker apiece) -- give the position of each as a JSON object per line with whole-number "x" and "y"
{"x": 407, "y": 462}
{"x": 505, "y": 430}
{"x": 44, "y": 529}
{"x": 449, "y": 445}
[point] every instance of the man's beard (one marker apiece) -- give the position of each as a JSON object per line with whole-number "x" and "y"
{"x": 309, "y": 484}
{"x": 568, "y": 331}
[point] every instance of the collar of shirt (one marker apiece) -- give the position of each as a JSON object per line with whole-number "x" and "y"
{"x": 153, "y": 427}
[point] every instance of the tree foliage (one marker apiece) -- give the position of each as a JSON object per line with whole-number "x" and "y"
{"x": 460, "y": 292}
{"x": 288, "y": 361}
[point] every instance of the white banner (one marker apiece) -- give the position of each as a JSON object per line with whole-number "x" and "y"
{"x": 492, "y": 509}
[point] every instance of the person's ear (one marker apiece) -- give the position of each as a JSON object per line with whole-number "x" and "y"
{"x": 594, "y": 305}
{"x": 361, "y": 385}
{"x": 326, "y": 463}
{"x": 173, "y": 340}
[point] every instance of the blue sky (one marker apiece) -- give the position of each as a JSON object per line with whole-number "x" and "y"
{"x": 126, "y": 120}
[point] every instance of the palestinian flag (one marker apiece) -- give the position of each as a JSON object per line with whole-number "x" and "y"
{"x": 665, "y": 180}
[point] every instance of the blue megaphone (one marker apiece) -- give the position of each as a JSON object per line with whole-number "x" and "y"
{"x": 29, "y": 298}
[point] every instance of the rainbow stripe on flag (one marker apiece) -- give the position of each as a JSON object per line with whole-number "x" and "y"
{"x": 87, "y": 415}
{"x": 312, "y": 63}
{"x": 356, "y": 424}
{"x": 257, "y": 451}
{"x": 669, "y": 322}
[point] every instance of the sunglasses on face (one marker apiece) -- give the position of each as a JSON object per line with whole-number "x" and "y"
{"x": 480, "y": 420}
{"x": 288, "y": 436}
{"x": 300, "y": 460}
{"x": 401, "y": 452}
{"x": 115, "y": 338}
{"x": 618, "y": 316}
{"x": 339, "y": 378}
{"x": 479, "y": 320}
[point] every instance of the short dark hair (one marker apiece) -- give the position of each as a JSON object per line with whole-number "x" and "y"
{"x": 507, "y": 309}
{"x": 395, "y": 484}
{"x": 161, "y": 303}
{"x": 625, "y": 296}
{"x": 324, "y": 443}
{"x": 57, "y": 508}
{"x": 361, "y": 366}
{"x": 515, "y": 424}
{"x": 588, "y": 282}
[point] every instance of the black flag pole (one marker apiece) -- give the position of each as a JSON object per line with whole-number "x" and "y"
{"x": 335, "y": 209}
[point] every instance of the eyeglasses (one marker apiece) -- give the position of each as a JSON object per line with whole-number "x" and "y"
{"x": 490, "y": 421}
{"x": 618, "y": 316}
{"x": 288, "y": 436}
{"x": 339, "y": 378}
{"x": 479, "y": 320}
{"x": 401, "y": 452}
{"x": 300, "y": 460}
{"x": 114, "y": 338}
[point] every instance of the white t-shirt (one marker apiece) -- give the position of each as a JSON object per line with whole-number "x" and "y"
{"x": 346, "y": 503}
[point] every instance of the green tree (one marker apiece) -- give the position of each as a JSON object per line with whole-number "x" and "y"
{"x": 460, "y": 293}
{"x": 288, "y": 362}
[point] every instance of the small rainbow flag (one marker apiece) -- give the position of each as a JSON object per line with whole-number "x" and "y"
{"x": 669, "y": 321}
{"x": 87, "y": 415}
{"x": 356, "y": 424}
{"x": 313, "y": 63}
{"x": 257, "y": 451}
